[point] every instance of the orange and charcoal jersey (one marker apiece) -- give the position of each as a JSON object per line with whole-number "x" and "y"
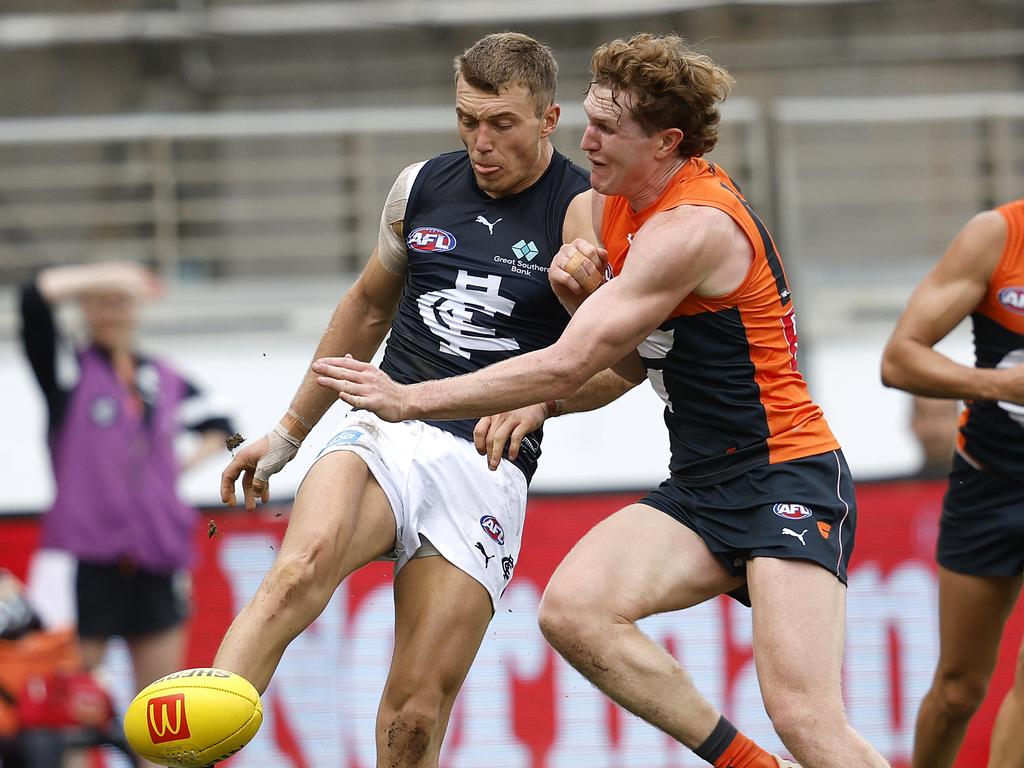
{"x": 992, "y": 433}
{"x": 725, "y": 367}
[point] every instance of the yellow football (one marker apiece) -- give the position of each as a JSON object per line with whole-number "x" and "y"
{"x": 193, "y": 718}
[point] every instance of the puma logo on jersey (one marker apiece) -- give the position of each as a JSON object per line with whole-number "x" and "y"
{"x": 486, "y": 223}
{"x": 487, "y": 558}
{"x": 795, "y": 535}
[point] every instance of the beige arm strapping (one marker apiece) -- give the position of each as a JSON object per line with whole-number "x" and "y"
{"x": 390, "y": 243}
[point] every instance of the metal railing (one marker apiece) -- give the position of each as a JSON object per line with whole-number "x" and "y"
{"x": 862, "y": 194}
{"x": 236, "y": 194}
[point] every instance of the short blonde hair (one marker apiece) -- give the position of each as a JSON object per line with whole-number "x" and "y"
{"x": 669, "y": 85}
{"x": 506, "y": 59}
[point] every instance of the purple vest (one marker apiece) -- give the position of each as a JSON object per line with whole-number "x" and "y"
{"x": 116, "y": 474}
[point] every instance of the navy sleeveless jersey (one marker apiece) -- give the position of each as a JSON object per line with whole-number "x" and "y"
{"x": 477, "y": 287}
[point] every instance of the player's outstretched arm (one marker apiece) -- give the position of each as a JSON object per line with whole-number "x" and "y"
{"x": 947, "y": 295}
{"x": 493, "y": 432}
{"x": 357, "y": 327}
{"x": 682, "y": 248}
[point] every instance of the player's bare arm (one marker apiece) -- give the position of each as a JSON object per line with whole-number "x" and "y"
{"x": 492, "y": 432}
{"x": 357, "y": 327}
{"x": 947, "y": 295}
{"x": 676, "y": 252}
{"x": 575, "y": 274}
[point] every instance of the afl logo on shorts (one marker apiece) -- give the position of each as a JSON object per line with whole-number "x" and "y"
{"x": 1013, "y": 299}
{"x": 493, "y": 528}
{"x": 791, "y": 511}
{"x": 430, "y": 240}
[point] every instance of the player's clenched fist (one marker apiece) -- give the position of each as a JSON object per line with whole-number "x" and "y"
{"x": 577, "y": 270}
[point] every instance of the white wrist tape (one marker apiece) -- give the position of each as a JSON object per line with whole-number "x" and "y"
{"x": 283, "y": 447}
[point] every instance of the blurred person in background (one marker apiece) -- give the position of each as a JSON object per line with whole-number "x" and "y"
{"x": 459, "y": 280}
{"x": 933, "y": 422}
{"x": 113, "y": 418}
{"x": 760, "y": 503}
{"x": 981, "y": 530}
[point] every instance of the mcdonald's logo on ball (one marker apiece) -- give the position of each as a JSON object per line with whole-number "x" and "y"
{"x": 167, "y": 719}
{"x": 193, "y": 718}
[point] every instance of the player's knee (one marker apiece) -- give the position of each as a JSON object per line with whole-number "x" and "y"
{"x": 565, "y": 622}
{"x": 296, "y": 578}
{"x": 405, "y": 738}
{"x": 959, "y": 696}
{"x": 800, "y": 719}
{"x": 554, "y": 619}
{"x": 407, "y": 721}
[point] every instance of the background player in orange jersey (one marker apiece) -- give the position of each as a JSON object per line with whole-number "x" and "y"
{"x": 981, "y": 533}
{"x": 760, "y": 502}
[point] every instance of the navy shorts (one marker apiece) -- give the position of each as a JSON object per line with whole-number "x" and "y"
{"x": 804, "y": 509}
{"x": 121, "y": 600}
{"x": 981, "y": 532}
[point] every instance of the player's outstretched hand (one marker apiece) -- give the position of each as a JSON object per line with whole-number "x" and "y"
{"x": 256, "y": 462}
{"x": 492, "y": 432}
{"x": 362, "y": 385}
{"x": 577, "y": 270}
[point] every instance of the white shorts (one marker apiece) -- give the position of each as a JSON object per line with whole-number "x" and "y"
{"x": 441, "y": 489}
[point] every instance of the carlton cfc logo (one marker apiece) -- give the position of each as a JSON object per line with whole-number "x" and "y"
{"x": 791, "y": 511}
{"x": 166, "y": 718}
{"x": 493, "y": 528}
{"x": 430, "y": 240}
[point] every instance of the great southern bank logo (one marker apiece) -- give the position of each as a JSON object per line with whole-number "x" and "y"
{"x": 525, "y": 250}
{"x": 431, "y": 240}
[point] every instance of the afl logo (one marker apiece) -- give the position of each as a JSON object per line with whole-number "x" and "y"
{"x": 431, "y": 240}
{"x": 791, "y": 511}
{"x": 493, "y": 528}
{"x": 1013, "y": 299}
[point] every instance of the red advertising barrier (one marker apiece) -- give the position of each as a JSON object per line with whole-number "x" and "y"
{"x": 522, "y": 706}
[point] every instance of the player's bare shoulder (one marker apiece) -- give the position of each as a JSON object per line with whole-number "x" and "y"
{"x": 699, "y": 240}
{"x": 975, "y": 251}
{"x": 987, "y": 231}
{"x": 696, "y": 226}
